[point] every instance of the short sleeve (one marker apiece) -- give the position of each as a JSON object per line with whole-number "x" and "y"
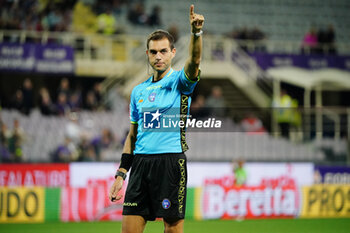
{"x": 134, "y": 115}
{"x": 186, "y": 84}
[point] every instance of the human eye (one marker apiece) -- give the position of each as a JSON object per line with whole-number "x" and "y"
{"x": 163, "y": 51}
{"x": 153, "y": 52}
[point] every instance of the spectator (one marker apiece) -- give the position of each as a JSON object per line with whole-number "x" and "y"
{"x": 38, "y": 26}
{"x": 284, "y": 113}
{"x": 91, "y": 102}
{"x": 252, "y": 36}
{"x": 66, "y": 24}
{"x": 64, "y": 88}
{"x": 330, "y": 39}
{"x": 27, "y": 23}
{"x": 5, "y": 155}
{"x": 198, "y": 109}
{"x": 86, "y": 150}
{"x": 28, "y": 96}
{"x": 15, "y": 141}
{"x": 117, "y": 7}
{"x": 137, "y": 14}
{"x": 321, "y": 39}
{"x": 97, "y": 90}
{"x": 55, "y": 20}
{"x": 73, "y": 131}
{"x": 252, "y": 124}
{"x": 174, "y": 31}
{"x": 65, "y": 153}
{"x": 46, "y": 106}
{"x": 154, "y": 19}
{"x": 102, "y": 142}
{"x": 310, "y": 42}
{"x": 84, "y": 19}
{"x": 106, "y": 23}
{"x": 18, "y": 102}
{"x": 239, "y": 172}
{"x": 4, "y": 133}
{"x": 256, "y": 34}
{"x": 75, "y": 102}
{"x": 62, "y": 105}
{"x": 216, "y": 103}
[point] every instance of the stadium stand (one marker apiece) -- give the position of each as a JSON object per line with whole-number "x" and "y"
{"x": 44, "y": 134}
{"x": 226, "y": 63}
{"x": 279, "y": 19}
{"x": 283, "y": 22}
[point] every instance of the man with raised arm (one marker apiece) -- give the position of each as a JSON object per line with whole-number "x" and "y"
{"x": 158, "y": 178}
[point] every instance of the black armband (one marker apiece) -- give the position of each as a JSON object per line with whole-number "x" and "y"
{"x": 126, "y": 161}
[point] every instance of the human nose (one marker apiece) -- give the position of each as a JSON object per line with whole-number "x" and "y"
{"x": 158, "y": 56}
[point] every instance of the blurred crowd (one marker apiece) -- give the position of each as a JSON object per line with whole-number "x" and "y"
{"x": 109, "y": 17}
{"x": 250, "y": 39}
{"x": 65, "y": 102}
{"x": 80, "y": 145}
{"x": 319, "y": 41}
{"x": 11, "y": 141}
{"x": 75, "y": 15}
{"x": 214, "y": 105}
{"x": 244, "y": 33}
{"x": 61, "y": 102}
{"x": 36, "y": 15}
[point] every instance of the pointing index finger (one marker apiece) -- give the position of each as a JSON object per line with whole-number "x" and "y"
{"x": 191, "y": 10}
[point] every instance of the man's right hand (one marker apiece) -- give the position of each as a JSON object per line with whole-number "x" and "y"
{"x": 116, "y": 187}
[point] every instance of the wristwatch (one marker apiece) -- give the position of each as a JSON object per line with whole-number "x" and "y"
{"x": 121, "y": 174}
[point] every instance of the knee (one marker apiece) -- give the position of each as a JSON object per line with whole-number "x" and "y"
{"x": 173, "y": 226}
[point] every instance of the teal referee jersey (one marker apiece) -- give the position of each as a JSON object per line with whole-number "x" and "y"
{"x": 158, "y": 108}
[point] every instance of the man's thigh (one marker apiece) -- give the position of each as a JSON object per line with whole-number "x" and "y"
{"x": 133, "y": 224}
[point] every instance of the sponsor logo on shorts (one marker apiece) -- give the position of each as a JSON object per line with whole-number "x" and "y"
{"x": 131, "y": 204}
{"x": 166, "y": 204}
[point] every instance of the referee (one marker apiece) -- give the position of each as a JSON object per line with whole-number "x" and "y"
{"x": 158, "y": 179}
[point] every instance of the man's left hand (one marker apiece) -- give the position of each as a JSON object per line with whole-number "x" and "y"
{"x": 196, "y": 21}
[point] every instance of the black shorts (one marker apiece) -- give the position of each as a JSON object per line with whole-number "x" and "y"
{"x": 157, "y": 187}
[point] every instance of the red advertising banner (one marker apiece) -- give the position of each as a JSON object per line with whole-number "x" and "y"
{"x": 46, "y": 175}
{"x": 90, "y": 203}
{"x": 276, "y": 198}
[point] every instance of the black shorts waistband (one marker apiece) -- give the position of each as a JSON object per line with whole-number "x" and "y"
{"x": 161, "y": 154}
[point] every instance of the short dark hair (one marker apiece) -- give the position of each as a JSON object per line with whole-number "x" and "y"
{"x": 159, "y": 35}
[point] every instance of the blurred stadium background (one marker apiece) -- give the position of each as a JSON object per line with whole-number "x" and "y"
{"x": 276, "y": 72}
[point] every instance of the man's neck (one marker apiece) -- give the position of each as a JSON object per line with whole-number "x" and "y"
{"x": 158, "y": 75}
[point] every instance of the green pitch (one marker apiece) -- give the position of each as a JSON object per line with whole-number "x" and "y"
{"x": 191, "y": 226}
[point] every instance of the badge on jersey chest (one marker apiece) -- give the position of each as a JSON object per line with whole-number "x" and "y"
{"x": 152, "y": 97}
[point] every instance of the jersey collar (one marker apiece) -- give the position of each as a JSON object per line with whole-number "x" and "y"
{"x": 167, "y": 75}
